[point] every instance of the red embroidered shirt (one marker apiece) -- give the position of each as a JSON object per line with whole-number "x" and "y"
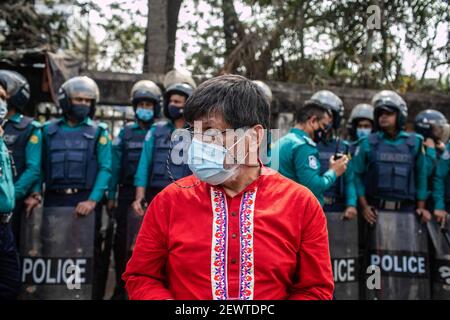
{"x": 268, "y": 242}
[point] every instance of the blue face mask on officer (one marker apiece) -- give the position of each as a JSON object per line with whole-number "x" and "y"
{"x": 145, "y": 115}
{"x": 207, "y": 161}
{"x": 363, "y": 132}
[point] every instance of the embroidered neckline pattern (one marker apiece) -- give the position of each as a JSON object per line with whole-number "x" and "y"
{"x": 219, "y": 247}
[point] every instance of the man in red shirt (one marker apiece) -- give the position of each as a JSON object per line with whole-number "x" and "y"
{"x": 235, "y": 229}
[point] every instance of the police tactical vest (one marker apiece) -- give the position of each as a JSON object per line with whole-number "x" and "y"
{"x": 16, "y": 138}
{"x": 132, "y": 144}
{"x": 71, "y": 159}
{"x": 391, "y": 171}
{"x": 326, "y": 151}
{"x": 159, "y": 177}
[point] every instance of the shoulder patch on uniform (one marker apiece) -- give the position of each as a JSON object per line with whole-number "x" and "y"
{"x": 34, "y": 139}
{"x": 445, "y": 155}
{"x": 103, "y": 140}
{"x": 313, "y": 164}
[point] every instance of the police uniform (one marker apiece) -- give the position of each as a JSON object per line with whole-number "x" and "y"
{"x": 343, "y": 192}
{"x": 9, "y": 260}
{"x": 126, "y": 152}
{"x": 441, "y": 182}
{"x": 299, "y": 161}
{"x": 396, "y": 169}
{"x": 152, "y": 171}
{"x": 77, "y": 167}
{"x": 23, "y": 138}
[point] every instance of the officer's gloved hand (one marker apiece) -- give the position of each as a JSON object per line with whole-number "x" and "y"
{"x": 349, "y": 213}
{"x": 339, "y": 166}
{"x": 441, "y": 216}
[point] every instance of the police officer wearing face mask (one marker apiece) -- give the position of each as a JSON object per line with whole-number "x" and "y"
{"x": 391, "y": 178}
{"x": 127, "y": 148}
{"x": 23, "y": 138}
{"x": 298, "y": 154}
{"x": 390, "y": 112}
{"x": 341, "y": 194}
{"x": 156, "y": 168}
{"x": 360, "y": 124}
{"x": 9, "y": 259}
{"x": 77, "y": 163}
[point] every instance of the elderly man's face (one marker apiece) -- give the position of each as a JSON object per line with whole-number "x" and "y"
{"x": 242, "y": 143}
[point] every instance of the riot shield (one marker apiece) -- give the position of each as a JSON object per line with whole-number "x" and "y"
{"x": 57, "y": 249}
{"x": 133, "y": 225}
{"x": 440, "y": 262}
{"x": 398, "y": 258}
{"x": 343, "y": 239}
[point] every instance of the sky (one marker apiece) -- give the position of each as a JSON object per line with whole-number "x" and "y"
{"x": 412, "y": 64}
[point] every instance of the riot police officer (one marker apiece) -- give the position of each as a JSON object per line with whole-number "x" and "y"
{"x": 360, "y": 124}
{"x": 393, "y": 165}
{"x": 156, "y": 168}
{"x": 24, "y": 140}
{"x": 127, "y": 148}
{"x": 298, "y": 154}
{"x": 433, "y": 126}
{"x": 9, "y": 259}
{"x": 76, "y": 173}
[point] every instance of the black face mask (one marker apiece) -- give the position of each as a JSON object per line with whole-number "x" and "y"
{"x": 175, "y": 112}
{"x": 79, "y": 111}
{"x": 320, "y": 134}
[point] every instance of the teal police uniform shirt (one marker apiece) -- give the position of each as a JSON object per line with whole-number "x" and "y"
{"x": 299, "y": 161}
{"x": 7, "y": 193}
{"x": 145, "y": 162}
{"x": 117, "y": 148}
{"x": 441, "y": 178}
{"x": 103, "y": 157}
{"x": 361, "y": 157}
{"x": 33, "y": 156}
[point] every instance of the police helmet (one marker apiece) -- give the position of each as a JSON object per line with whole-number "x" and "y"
{"x": 17, "y": 88}
{"x": 390, "y": 100}
{"x": 146, "y": 90}
{"x": 331, "y": 102}
{"x": 432, "y": 124}
{"x": 78, "y": 87}
{"x": 176, "y": 88}
{"x": 359, "y": 112}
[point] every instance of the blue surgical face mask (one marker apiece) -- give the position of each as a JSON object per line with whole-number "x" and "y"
{"x": 175, "y": 112}
{"x": 363, "y": 132}
{"x": 145, "y": 115}
{"x": 3, "y": 109}
{"x": 206, "y": 161}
